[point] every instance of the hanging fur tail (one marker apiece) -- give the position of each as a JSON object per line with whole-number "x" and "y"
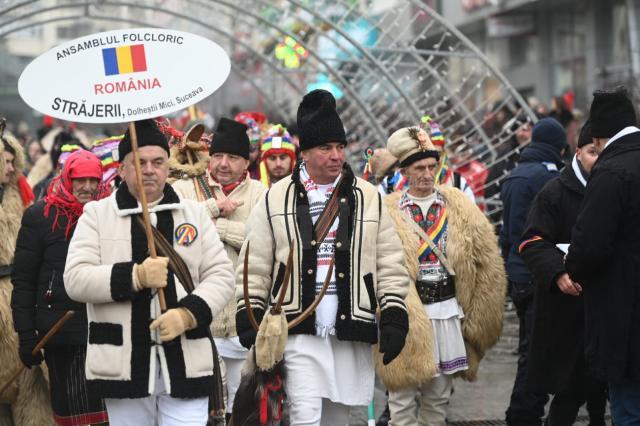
{"x": 260, "y": 396}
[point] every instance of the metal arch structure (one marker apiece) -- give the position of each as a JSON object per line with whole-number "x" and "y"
{"x": 388, "y": 62}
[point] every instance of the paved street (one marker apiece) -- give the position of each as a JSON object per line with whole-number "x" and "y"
{"x": 482, "y": 402}
{"x": 473, "y": 404}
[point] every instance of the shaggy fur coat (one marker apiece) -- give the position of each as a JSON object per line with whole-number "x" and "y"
{"x": 472, "y": 250}
{"x": 29, "y": 394}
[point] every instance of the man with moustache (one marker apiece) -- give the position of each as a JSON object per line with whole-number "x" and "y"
{"x": 151, "y": 367}
{"x": 458, "y": 280}
{"x": 329, "y": 364}
{"x": 39, "y": 299}
{"x": 229, "y": 196}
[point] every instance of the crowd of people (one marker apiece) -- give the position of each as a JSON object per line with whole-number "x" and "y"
{"x": 284, "y": 283}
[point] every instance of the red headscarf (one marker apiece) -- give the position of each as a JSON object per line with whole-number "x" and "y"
{"x": 80, "y": 164}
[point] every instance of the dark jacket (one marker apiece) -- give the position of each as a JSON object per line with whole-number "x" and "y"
{"x": 557, "y": 343}
{"x": 604, "y": 258}
{"x": 38, "y": 267}
{"x": 539, "y": 163}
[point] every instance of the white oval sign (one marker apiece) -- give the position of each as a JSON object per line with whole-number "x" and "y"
{"x": 124, "y": 75}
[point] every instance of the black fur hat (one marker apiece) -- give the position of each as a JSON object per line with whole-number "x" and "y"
{"x": 147, "y": 133}
{"x": 230, "y": 137}
{"x": 318, "y": 121}
{"x": 585, "y": 135}
{"x": 611, "y": 111}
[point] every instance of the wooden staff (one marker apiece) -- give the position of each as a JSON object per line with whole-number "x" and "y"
{"x": 145, "y": 209}
{"x": 39, "y": 347}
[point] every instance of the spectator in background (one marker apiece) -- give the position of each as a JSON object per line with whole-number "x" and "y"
{"x": 507, "y": 155}
{"x": 562, "y": 110}
{"x": 539, "y": 163}
{"x": 34, "y": 151}
{"x": 384, "y": 167}
{"x": 45, "y": 168}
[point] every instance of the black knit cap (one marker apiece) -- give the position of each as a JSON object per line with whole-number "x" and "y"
{"x": 611, "y": 111}
{"x": 318, "y": 121}
{"x": 230, "y": 137}
{"x": 147, "y": 133}
{"x": 585, "y": 135}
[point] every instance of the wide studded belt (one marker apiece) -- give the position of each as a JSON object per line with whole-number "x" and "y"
{"x": 436, "y": 291}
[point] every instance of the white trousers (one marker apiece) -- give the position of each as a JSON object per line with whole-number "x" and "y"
{"x": 433, "y": 398}
{"x": 318, "y": 411}
{"x": 234, "y": 368}
{"x": 158, "y": 409}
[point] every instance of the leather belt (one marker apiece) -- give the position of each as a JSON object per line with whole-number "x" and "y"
{"x": 436, "y": 291}
{"x": 5, "y": 270}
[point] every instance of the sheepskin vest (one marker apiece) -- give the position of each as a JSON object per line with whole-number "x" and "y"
{"x": 472, "y": 250}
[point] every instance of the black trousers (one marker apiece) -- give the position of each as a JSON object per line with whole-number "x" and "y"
{"x": 526, "y": 408}
{"x": 580, "y": 389}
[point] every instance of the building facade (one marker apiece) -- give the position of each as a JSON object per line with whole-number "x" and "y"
{"x": 546, "y": 47}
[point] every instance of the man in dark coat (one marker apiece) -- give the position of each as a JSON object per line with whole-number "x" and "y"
{"x": 539, "y": 163}
{"x": 39, "y": 299}
{"x": 604, "y": 255}
{"x": 556, "y": 360}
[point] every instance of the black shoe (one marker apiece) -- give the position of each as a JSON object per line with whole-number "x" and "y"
{"x": 384, "y": 418}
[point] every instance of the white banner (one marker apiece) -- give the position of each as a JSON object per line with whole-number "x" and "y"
{"x": 124, "y": 75}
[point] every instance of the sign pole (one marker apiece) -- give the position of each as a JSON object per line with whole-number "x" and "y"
{"x": 145, "y": 208}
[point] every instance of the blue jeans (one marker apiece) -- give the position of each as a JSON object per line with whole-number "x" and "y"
{"x": 625, "y": 403}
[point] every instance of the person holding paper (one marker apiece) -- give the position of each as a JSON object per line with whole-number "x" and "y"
{"x": 151, "y": 367}
{"x": 604, "y": 256}
{"x": 556, "y": 359}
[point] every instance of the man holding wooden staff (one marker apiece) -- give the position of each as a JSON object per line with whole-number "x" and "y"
{"x": 151, "y": 367}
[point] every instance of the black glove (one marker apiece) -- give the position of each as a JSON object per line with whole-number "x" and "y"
{"x": 394, "y": 325}
{"x": 28, "y": 341}
{"x": 248, "y": 338}
{"x": 246, "y": 333}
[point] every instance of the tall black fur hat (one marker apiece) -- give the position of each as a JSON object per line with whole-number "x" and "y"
{"x": 318, "y": 121}
{"x": 147, "y": 133}
{"x": 611, "y": 111}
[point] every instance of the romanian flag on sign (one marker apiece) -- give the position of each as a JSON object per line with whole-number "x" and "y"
{"x": 124, "y": 59}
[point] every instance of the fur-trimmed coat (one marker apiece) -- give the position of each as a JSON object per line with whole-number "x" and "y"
{"x": 121, "y": 354}
{"x": 368, "y": 259}
{"x": 472, "y": 250}
{"x": 28, "y": 395}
